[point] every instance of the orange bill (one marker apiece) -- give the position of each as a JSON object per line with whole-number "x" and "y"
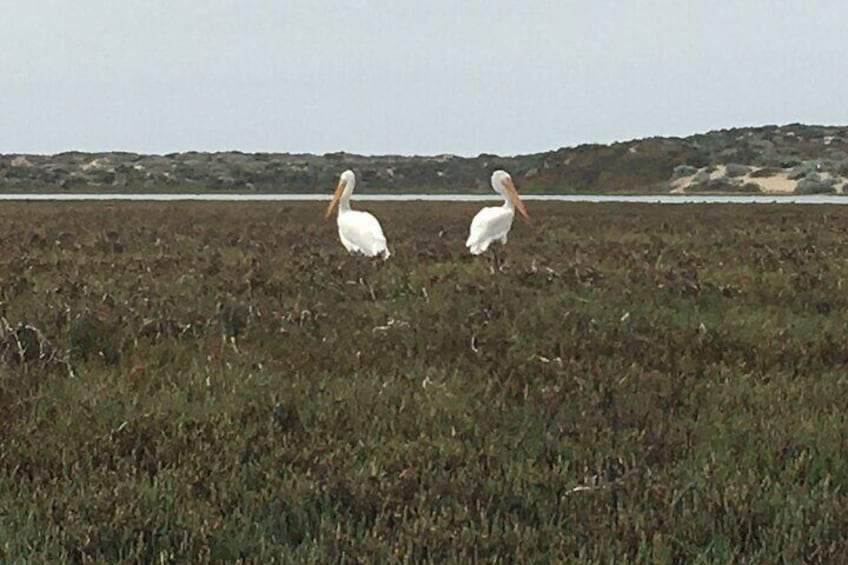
{"x": 516, "y": 199}
{"x": 336, "y": 196}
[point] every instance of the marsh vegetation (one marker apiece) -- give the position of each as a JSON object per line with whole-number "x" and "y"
{"x": 214, "y": 382}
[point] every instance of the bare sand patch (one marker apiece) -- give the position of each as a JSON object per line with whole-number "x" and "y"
{"x": 779, "y": 183}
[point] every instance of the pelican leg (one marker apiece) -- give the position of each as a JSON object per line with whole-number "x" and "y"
{"x": 499, "y": 260}
{"x": 496, "y": 264}
{"x": 376, "y": 263}
{"x": 361, "y": 272}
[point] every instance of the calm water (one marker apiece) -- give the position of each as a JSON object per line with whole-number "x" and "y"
{"x": 650, "y": 199}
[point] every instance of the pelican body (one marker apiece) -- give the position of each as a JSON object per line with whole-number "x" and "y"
{"x": 493, "y": 223}
{"x": 360, "y": 232}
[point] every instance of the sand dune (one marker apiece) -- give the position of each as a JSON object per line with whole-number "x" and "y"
{"x": 778, "y": 183}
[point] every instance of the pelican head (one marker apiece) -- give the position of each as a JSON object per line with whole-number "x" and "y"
{"x": 347, "y": 181}
{"x": 502, "y": 183}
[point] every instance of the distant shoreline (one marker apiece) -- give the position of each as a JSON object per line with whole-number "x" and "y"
{"x": 795, "y": 158}
{"x": 433, "y": 197}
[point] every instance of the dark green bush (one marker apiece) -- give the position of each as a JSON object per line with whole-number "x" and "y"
{"x": 814, "y": 184}
{"x": 683, "y": 171}
{"x": 736, "y": 170}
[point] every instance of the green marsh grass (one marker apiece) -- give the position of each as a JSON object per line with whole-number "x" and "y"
{"x": 222, "y": 382}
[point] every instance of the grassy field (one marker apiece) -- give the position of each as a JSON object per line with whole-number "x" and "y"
{"x": 215, "y": 382}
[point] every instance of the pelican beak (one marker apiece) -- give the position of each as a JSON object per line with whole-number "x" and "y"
{"x": 516, "y": 199}
{"x": 336, "y": 195}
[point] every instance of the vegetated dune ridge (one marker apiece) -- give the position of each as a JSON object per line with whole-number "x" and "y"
{"x": 772, "y": 159}
{"x": 214, "y": 382}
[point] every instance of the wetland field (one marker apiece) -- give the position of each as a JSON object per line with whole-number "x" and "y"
{"x": 221, "y": 382}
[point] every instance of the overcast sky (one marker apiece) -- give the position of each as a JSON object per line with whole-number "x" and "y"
{"x": 428, "y": 77}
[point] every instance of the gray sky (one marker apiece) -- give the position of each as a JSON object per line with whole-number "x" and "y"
{"x": 441, "y": 76}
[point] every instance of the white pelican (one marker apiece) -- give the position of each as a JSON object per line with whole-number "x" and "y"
{"x": 360, "y": 232}
{"x": 493, "y": 223}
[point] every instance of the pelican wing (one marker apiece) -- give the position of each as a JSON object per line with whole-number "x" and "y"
{"x": 490, "y": 224}
{"x": 360, "y": 232}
